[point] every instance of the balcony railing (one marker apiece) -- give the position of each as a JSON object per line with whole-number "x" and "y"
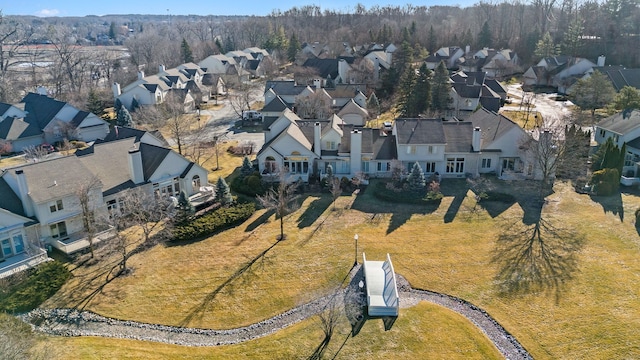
{"x": 22, "y": 262}
{"x": 78, "y": 241}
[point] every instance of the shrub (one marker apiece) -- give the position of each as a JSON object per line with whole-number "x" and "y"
{"x": 637, "y": 213}
{"x": 41, "y": 283}
{"x": 213, "y": 222}
{"x": 496, "y": 196}
{"x": 251, "y": 185}
{"x": 388, "y": 192}
{"x": 606, "y": 181}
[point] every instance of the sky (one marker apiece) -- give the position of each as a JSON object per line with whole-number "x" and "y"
{"x": 46, "y": 8}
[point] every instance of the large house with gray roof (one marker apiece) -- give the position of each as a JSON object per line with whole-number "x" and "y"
{"x": 39, "y": 119}
{"x": 484, "y": 143}
{"x": 40, "y": 204}
{"x": 623, "y": 128}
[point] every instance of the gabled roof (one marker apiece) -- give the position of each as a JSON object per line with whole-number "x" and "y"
{"x": 122, "y": 132}
{"x": 412, "y": 131}
{"x": 14, "y": 128}
{"x": 80, "y": 116}
{"x": 10, "y": 200}
{"x": 325, "y": 67}
{"x": 374, "y": 142}
{"x": 622, "y": 122}
{"x": 110, "y": 163}
{"x": 458, "y": 135}
{"x": 495, "y": 85}
{"x": 467, "y": 91}
{"x": 152, "y": 157}
{"x": 285, "y": 87}
{"x": 3, "y": 108}
{"x": 492, "y": 125}
{"x": 275, "y": 105}
{"x": 622, "y": 77}
{"x": 41, "y": 109}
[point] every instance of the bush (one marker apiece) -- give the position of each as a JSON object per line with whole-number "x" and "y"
{"x": 637, "y": 213}
{"x": 41, "y": 283}
{"x": 251, "y": 185}
{"x": 606, "y": 181}
{"x": 497, "y": 196}
{"x": 213, "y": 222}
{"x": 387, "y": 191}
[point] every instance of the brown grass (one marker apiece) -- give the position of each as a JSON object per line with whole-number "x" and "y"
{"x": 520, "y": 117}
{"x": 594, "y": 314}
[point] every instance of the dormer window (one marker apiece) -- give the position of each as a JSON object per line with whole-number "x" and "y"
{"x": 56, "y": 206}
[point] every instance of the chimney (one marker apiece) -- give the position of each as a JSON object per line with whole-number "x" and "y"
{"x": 316, "y": 139}
{"x": 317, "y": 83}
{"x": 476, "y": 141}
{"x": 135, "y": 165}
{"x": 140, "y": 75}
{"x": 601, "y": 60}
{"x": 116, "y": 90}
{"x": 355, "y": 152}
{"x": 161, "y": 68}
{"x": 467, "y": 49}
{"x": 23, "y": 191}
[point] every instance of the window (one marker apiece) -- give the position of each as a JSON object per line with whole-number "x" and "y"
{"x": 431, "y": 149}
{"x": 330, "y": 145}
{"x": 6, "y": 247}
{"x": 602, "y": 132}
{"x": 111, "y": 205}
{"x": 18, "y": 243}
{"x": 455, "y": 165}
{"x": 270, "y": 165}
{"x": 195, "y": 182}
{"x": 384, "y": 166}
{"x": 509, "y": 164}
{"x": 57, "y": 206}
{"x": 430, "y": 167}
{"x": 411, "y": 149}
{"x": 58, "y": 230}
{"x": 365, "y": 166}
{"x": 486, "y": 163}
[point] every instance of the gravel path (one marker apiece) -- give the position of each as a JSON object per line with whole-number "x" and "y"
{"x": 70, "y": 322}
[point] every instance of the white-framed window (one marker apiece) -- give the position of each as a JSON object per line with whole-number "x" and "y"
{"x": 270, "y": 165}
{"x": 411, "y": 149}
{"x": 6, "y": 247}
{"x": 195, "y": 182}
{"x": 486, "y": 163}
{"x": 365, "y": 166}
{"x": 431, "y": 149}
{"x": 330, "y": 145}
{"x": 455, "y": 165}
{"x": 56, "y": 206}
{"x": 430, "y": 167}
{"x": 384, "y": 166}
{"x": 58, "y": 230}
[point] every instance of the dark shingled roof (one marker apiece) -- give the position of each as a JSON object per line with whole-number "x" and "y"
{"x": 41, "y": 109}
{"x": 623, "y": 77}
{"x": 458, "y": 135}
{"x": 123, "y": 132}
{"x": 467, "y": 91}
{"x": 493, "y": 125}
{"x": 152, "y": 157}
{"x": 14, "y": 128}
{"x": 622, "y": 122}
{"x": 4, "y": 107}
{"x": 110, "y": 163}
{"x": 373, "y": 142}
{"x": 10, "y": 200}
{"x": 285, "y": 87}
{"x": 495, "y": 85}
{"x": 325, "y": 67}
{"x": 80, "y": 116}
{"x": 275, "y": 105}
{"x": 419, "y": 131}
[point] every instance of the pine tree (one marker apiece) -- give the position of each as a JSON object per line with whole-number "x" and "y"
{"x": 432, "y": 42}
{"x": 406, "y": 100}
{"x": 184, "y": 209}
{"x": 422, "y": 89}
{"x": 219, "y": 45}
{"x": 440, "y": 88}
{"x": 545, "y": 47}
{"x": 94, "y": 105}
{"x": 123, "y": 117}
{"x": 223, "y": 194}
{"x": 112, "y": 31}
{"x": 294, "y": 47}
{"x": 373, "y": 105}
{"x": 416, "y": 179}
{"x": 247, "y": 167}
{"x": 135, "y": 105}
{"x": 185, "y": 51}
{"x": 484, "y": 37}
{"x": 627, "y": 98}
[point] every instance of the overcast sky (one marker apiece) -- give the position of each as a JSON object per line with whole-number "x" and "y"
{"x": 185, "y": 7}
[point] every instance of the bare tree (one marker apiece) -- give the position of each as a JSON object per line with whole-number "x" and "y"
{"x": 242, "y": 98}
{"x": 336, "y": 190}
{"x": 280, "y": 199}
{"x": 544, "y": 152}
{"x": 314, "y": 106}
{"x": 178, "y": 124}
{"x": 89, "y": 198}
{"x": 35, "y": 153}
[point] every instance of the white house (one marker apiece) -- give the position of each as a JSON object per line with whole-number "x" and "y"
{"x": 623, "y": 128}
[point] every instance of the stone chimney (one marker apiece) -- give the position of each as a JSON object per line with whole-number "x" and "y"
{"x": 601, "y": 60}
{"x": 116, "y": 90}
{"x": 135, "y": 165}
{"x": 140, "y": 75}
{"x": 355, "y": 156}
{"x": 476, "y": 141}
{"x": 316, "y": 139}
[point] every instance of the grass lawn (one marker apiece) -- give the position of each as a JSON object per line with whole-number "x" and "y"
{"x": 423, "y": 331}
{"x": 591, "y": 311}
{"x": 7, "y": 162}
{"x": 520, "y": 117}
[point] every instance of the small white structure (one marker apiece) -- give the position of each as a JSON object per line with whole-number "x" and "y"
{"x": 382, "y": 291}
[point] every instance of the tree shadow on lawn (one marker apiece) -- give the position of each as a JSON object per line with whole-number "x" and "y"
{"x": 612, "y": 204}
{"x": 259, "y": 221}
{"x": 314, "y": 211}
{"x": 199, "y": 310}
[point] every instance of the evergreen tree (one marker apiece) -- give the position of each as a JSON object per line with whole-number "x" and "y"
{"x": 466, "y": 38}
{"x": 440, "y": 88}
{"x": 388, "y": 82}
{"x": 229, "y": 45}
{"x": 185, "y": 51}
{"x": 573, "y": 38}
{"x": 546, "y": 47}
{"x": 627, "y": 98}
{"x": 594, "y": 92}
{"x": 223, "y": 194}
{"x": 485, "y": 36}
{"x": 118, "y": 104}
{"x": 219, "y": 45}
{"x": 405, "y": 57}
{"x": 373, "y": 104}
{"x": 247, "y": 167}
{"x": 135, "y": 105}
{"x": 432, "y": 42}
{"x": 294, "y": 47}
{"x": 416, "y": 179}
{"x": 184, "y": 209}
{"x": 422, "y": 89}
{"x": 123, "y": 117}
{"x": 329, "y": 175}
{"x": 112, "y": 31}
{"x": 406, "y": 100}
{"x": 94, "y": 105}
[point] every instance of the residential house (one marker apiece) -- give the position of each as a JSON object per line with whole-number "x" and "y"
{"x": 449, "y": 55}
{"x": 39, "y": 119}
{"x": 334, "y": 70}
{"x": 484, "y": 143}
{"x": 471, "y": 89}
{"x": 619, "y": 76}
{"x": 623, "y": 128}
{"x": 560, "y": 72}
{"x": 43, "y": 197}
{"x": 494, "y": 63}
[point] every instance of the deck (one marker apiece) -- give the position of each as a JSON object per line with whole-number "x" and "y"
{"x": 382, "y": 290}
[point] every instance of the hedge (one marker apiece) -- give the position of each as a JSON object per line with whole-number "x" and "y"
{"x": 41, "y": 283}
{"x": 215, "y": 221}
{"x": 251, "y": 185}
{"x": 407, "y": 197}
{"x": 498, "y": 197}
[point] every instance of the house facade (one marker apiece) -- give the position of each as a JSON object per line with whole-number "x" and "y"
{"x": 623, "y": 128}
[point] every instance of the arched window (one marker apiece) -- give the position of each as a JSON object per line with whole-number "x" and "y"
{"x": 195, "y": 182}
{"x": 270, "y": 165}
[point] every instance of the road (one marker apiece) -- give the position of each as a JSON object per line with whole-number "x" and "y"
{"x": 554, "y": 113}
